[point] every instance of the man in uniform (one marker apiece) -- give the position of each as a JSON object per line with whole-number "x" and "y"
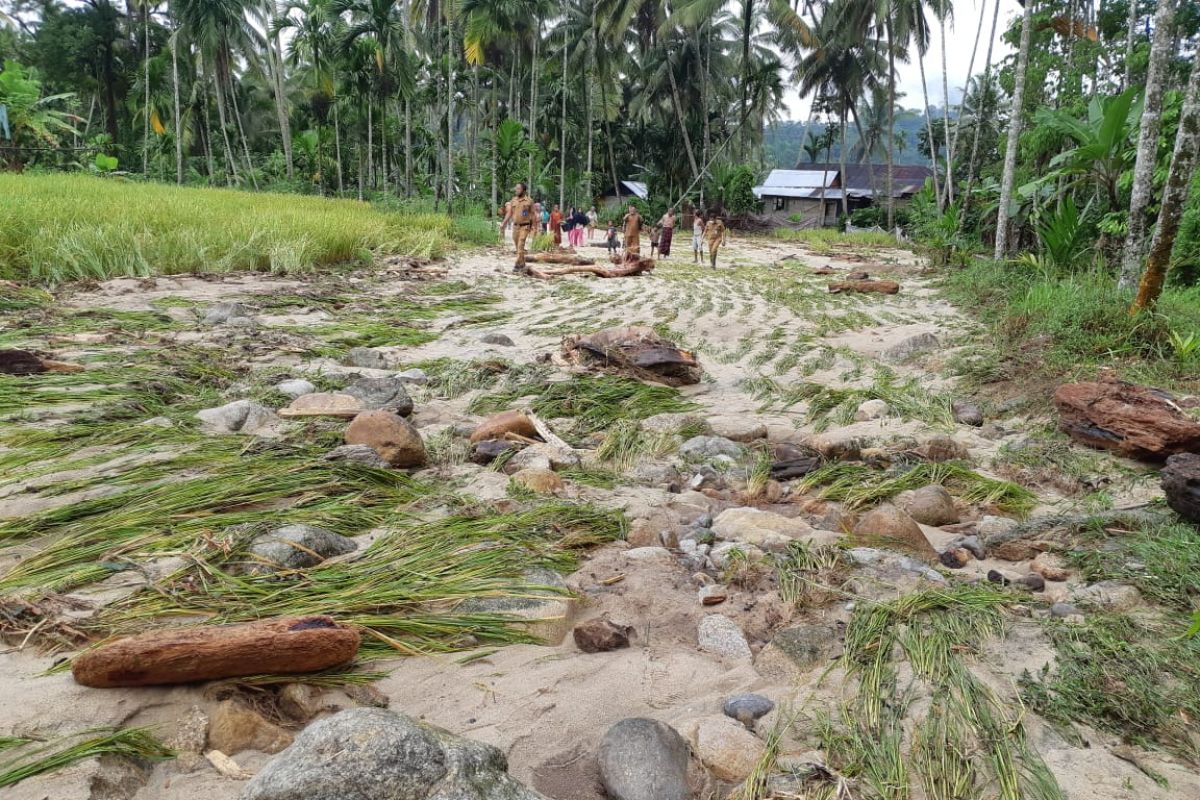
{"x": 716, "y": 235}
{"x": 633, "y": 230}
{"x": 521, "y": 214}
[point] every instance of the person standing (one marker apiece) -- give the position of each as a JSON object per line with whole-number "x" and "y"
{"x": 633, "y": 232}
{"x": 715, "y": 234}
{"x": 581, "y": 224}
{"x": 668, "y": 231}
{"x": 612, "y": 239}
{"x": 523, "y": 216}
{"x": 592, "y": 216}
{"x": 697, "y": 236}
{"x": 545, "y": 219}
{"x": 556, "y": 226}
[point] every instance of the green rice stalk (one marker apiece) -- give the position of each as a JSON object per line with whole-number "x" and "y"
{"x": 858, "y": 485}
{"x": 38, "y": 759}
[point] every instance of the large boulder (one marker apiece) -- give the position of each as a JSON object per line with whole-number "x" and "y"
{"x": 1135, "y": 421}
{"x": 644, "y": 759}
{"x": 375, "y": 754}
{"x": 394, "y": 438}
{"x": 891, "y": 527}
{"x": 297, "y": 547}
{"x": 388, "y": 394}
{"x": 1181, "y": 483}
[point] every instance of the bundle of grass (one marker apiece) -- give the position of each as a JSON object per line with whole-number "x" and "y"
{"x": 827, "y": 405}
{"x": 32, "y": 758}
{"x": 858, "y": 485}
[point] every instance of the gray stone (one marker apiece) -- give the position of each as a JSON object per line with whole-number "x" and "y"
{"x": 1108, "y": 596}
{"x": 388, "y": 394}
{"x": 674, "y": 422}
{"x": 966, "y": 413}
{"x": 798, "y": 649}
{"x": 228, "y": 312}
{"x": 649, "y": 473}
{"x": 357, "y": 454}
{"x": 726, "y": 749}
{"x": 643, "y": 759}
{"x": 498, "y": 339}
{"x": 240, "y": 416}
{"x": 970, "y": 544}
{"x": 367, "y": 358}
{"x": 929, "y": 505}
{"x": 765, "y": 530}
{"x": 738, "y": 429}
{"x": 415, "y": 376}
{"x": 542, "y": 456}
{"x": 1064, "y": 610}
{"x": 993, "y": 530}
{"x": 703, "y": 448}
{"x": 871, "y": 410}
{"x": 721, "y": 636}
{"x": 297, "y": 547}
{"x": 546, "y": 613}
{"x": 295, "y": 387}
{"x": 912, "y": 346}
{"x": 746, "y": 708}
{"x": 375, "y": 754}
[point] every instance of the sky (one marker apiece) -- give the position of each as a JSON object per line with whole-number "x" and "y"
{"x": 960, "y": 38}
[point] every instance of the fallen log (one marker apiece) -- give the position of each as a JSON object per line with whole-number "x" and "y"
{"x": 559, "y": 258}
{"x": 211, "y": 652}
{"x": 623, "y": 269}
{"x": 1181, "y": 484}
{"x": 23, "y": 362}
{"x": 636, "y": 351}
{"x": 858, "y": 275}
{"x": 867, "y": 286}
{"x": 1135, "y": 421}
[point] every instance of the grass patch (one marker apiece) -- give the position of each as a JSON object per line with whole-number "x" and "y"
{"x": 831, "y": 238}
{"x": 37, "y": 758}
{"x": 61, "y": 227}
{"x": 1162, "y": 561}
{"x": 829, "y": 405}
{"x": 858, "y": 485}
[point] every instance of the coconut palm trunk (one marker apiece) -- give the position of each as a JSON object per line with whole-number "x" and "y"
{"x": 1014, "y": 133}
{"x": 533, "y": 95}
{"x": 679, "y": 115}
{"x": 275, "y": 60}
{"x": 1130, "y": 40}
{"x": 891, "y": 125}
{"x": 933, "y": 161}
{"x": 146, "y": 102}
{"x": 230, "y": 162}
{"x": 966, "y": 84}
{"x": 178, "y": 115}
{"x": 987, "y": 80}
{"x": 1162, "y": 50}
{"x": 946, "y": 105}
{"x": 1174, "y": 199}
{"x": 562, "y": 133}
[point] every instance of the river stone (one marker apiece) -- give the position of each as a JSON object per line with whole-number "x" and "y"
{"x": 721, "y": 636}
{"x": 869, "y": 410}
{"x": 601, "y": 635}
{"x": 539, "y": 481}
{"x": 721, "y": 553}
{"x": 994, "y": 530}
{"x": 542, "y": 456}
{"x": 929, "y": 505}
{"x": 381, "y": 393}
{"x": 796, "y": 650}
{"x": 1181, "y": 485}
{"x": 375, "y": 754}
{"x": 240, "y": 416}
{"x": 415, "y": 376}
{"x": 233, "y": 727}
{"x": 227, "y": 312}
{"x": 357, "y": 454}
{"x": 912, "y": 346}
{"x": 737, "y": 429}
{"x": 703, "y": 448}
{"x": 1107, "y": 596}
{"x": 295, "y": 387}
{"x": 546, "y": 614}
{"x": 966, "y": 413}
{"x": 367, "y": 358}
{"x": 489, "y": 450}
{"x": 727, "y": 749}
{"x": 643, "y": 759}
{"x": 765, "y": 530}
{"x": 746, "y": 708}
{"x": 297, "y": 547}
{"x": 497, "y": 339}
{"x": 894, "y": 528}
{"x": 394, "y": 438}
{"x": 324, "y": 404}
{"x": 940, "y": 448}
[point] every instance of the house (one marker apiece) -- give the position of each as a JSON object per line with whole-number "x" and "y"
{"x": 608, "y": 198}
{"x": 814, "y": 191}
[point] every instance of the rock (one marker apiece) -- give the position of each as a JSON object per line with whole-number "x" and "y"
{"x": 1013, "y": 550}
{"x": 1064, "y": 610}
{"x": 301, "y": 701}
{"x": 324, "y": 404}
{"x": 651, "y": 553}
{"x": 387, "y": 394}
{"x": 1135, "y": 421}
{"x": 995, "y": 529}
{"x": 793, "y": 461}
{"x": 673, "y": 422}
{"x": 1181, "y": 484}
{"x": 368, "y": 358}
{"x": 798, "y": 649}
{"x": 704, "y": 448}
{"x": 497, "y": 425}
{"x": 646, "y": 532}
{"x": 894, "y": 528}
{"x": 541, "y": 481}
{"x": 721, "y": 636}
{"x": 746, "y": 708}
{"x": 546, "y": 613}
{"x": 649, "y": 473}
{"x": 956, "y": 557}
{"x": 966, "y": 413}
{"x": 357, "y": 454}
{"x": 871, "y": 410}
{"x": 1108, "y": 596}
{"x": 1033, "y": 582}
{"x": 727, "y": 749}
{"x": 234, "y": 727}
{"x": 1049, "y": 567}
{"x": 837, "y": 445}
{"x": 721, "y": 553}
{"x": 644, "y": 759}
{"x": 601, "y": 635}
{"x": 297, "y": 547}
{"x": 971, "y": 544}
{"x": 713, "y": 594}
{"x": 189, "y": 738}
{"x": 229, "y": 312}
{"x": 295, "y": 387}
{"x": 765, "y": 530}
{"x": 392, "y": 437}
{"x": 415, "y": 376}
{"x": 240, "y": 416}
{"x": 489, "y": 450}
{"x": 930, "y": 505}
{"x": 497, "y": 338}
{"x": 542, "y": 456}
{"x": 737, "y": 429}
{"x": 941, "y": 448}
{"x": 912, "y": 346}
{"x": 375, "y": 754}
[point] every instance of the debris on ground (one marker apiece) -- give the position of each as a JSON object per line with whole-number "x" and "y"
{"x": 864, "y": 286}
{"x": 24, "y": 362}
{"x": 639, "y": 352}
{"x": 1136, "y": 421}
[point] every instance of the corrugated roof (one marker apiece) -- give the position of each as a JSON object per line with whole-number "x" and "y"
{"x": 906, "y": 178}
{"x": 638, "y": 188}
{"x": 800, "y": 178}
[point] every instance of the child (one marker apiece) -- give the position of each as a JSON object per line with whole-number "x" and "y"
{"x": 611, "y": 239}
{"x": 653, "y": 241}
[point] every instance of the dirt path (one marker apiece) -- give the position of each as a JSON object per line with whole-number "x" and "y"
{"x": 764, "y": 327}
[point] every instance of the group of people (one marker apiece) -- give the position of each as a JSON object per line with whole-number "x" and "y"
{"x": 529, "y": 217}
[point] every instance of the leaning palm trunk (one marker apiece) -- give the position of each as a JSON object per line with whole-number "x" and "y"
{"x": 237, "y": 116}
{"x": 275, "y": 59}
{"x": 966, "y": 87}
{"x": 1130, "y": 38}
{"x": 679, "y": 115}
{"x": 933, "y": 161}
{"x": 1161, "y": 51}
{"x": 146, "y": 103}
{"x": 230, "y": 162}
{"x": 891, "y": 132}
{"x": 987, "y": 81}
{"x": 533, "y": 96}
{"x": 1175, "y": 198}
{"x": 1014, "y": 134}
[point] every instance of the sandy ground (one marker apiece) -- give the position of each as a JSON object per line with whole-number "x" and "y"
{"x": 548, "y": 706}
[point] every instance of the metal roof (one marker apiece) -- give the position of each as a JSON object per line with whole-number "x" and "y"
{"x": 638, "y": 188}
{"x": 799, "y": 179}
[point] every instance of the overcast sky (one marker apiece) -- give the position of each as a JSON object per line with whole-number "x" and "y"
{"x": 960, "y": 38}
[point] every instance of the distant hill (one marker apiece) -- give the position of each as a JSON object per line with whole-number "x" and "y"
{"x": 784, "y": 140}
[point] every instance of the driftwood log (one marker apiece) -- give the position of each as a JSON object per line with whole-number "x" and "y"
{"x": 621, "y": 269}
{"x": 636, "y": 351}
{"x": 559, "y": 258}
{"x": 1181, "y": 484}
{"x": 1135, "y": 421}
{"x": 23, "y": 362}
{"x": 867, "y": 286}
{"x": 211, "y": 652}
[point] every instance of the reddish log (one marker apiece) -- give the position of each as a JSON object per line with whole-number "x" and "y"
{"x": 1135, "y": 421}
{"x": 882, "y": 287}
{"x": 211, "y": 652}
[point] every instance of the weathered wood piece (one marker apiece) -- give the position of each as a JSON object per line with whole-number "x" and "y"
{"x": 620, "y": 269}
{"x": 1135, "y": 421}
{"x": 637, "y": 351}
{"x": 559, "y": 258}
{"x": 867, "y": 286}
{"x": 23, "y": 362}
{"x": 184, "y": 655}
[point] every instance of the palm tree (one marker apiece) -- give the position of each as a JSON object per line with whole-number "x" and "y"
{"x": 1014, "y": 133}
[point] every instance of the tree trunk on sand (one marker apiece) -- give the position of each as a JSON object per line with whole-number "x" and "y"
{"x": 178, "y": 115}
{"x": 1175, "y": 196}
{"x": 1014, "y": 133}
{"x": 1161, "y": 50}
{"x": 987, "y": 79}
{"x": 212, "y": 652}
